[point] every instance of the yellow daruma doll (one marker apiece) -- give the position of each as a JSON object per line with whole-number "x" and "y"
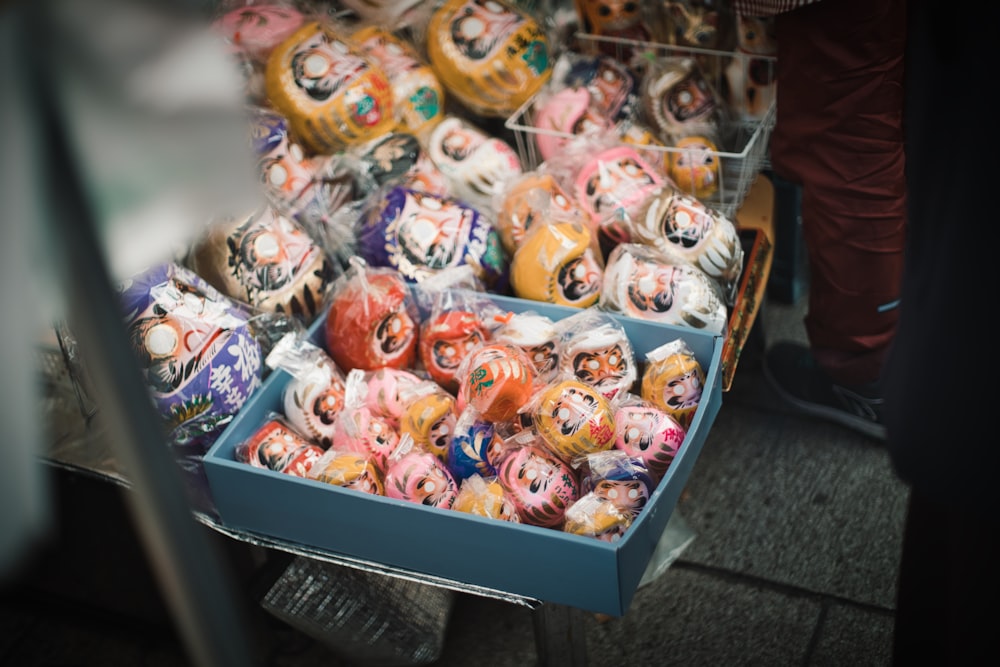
{"x": 489, "y": 54}
{"x": 674, "y": 380}
{"x": 331, "y": 93}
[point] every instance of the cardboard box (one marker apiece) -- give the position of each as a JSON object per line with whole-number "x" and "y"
{"x": 521, "y": 560}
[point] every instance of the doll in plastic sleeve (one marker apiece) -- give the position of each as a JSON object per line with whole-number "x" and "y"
{"x": 252, "y": 32}
{"x": 475, "y": 163}
{"x": 267, "y": 260}
{"x": 416, "y": 475}
{"x": 348, "y": 470}
{"x": 694, "y": 165}
{"x": 307, "y": 189}
{"x": 314, "y": 395}
{"x": 573, "y": 419}
{"x": 332, "y": 94}
{"x": 194, "y": 345}
{"x": 497, "y": 380}
{"x": 538, "y": 336}
{"x": 647, "y": 433}
{"x": 680, "y": 224}
{"x": 491, "y": 55}
{"x": 612, "y": 86}
{"x": 611, "y": 184}
{"x": 277, "y": 446}
{"x": 678, "y": 100}
{"x": 430, "y": 418}
{"x": 458, "y": 321}
{"x": 540, "y": 484}
{"x": 593, "y": 516}
{"x": 389, "y": 392}
{"x": 647, "y": 284}
{"x": 529, "y": 198}
{"x": 475, "y": 446}
{"x": 618, "y": 478}
{"x": 562, "y": 114}
{"x": 358, "y": 429}
{"x": 674, "y": 380}
{"x": 372, "y": 320}
{"x": 418, "y": 96}
{"x": 485, "y": 497}
{"x": 596, "y": 350}
{"x": 393, "y": 158}
{"x": 421, "y": 234}
{"x": 614, "y": 19}
{"x": 558, "y": 263}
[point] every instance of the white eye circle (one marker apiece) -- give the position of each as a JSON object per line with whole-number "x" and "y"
{"x": 316, "y": 65}
{"x": 633, "y": 433}
{"x": 683, "y": 219}
{"x": 633, "y": 494}
{"x": 429, "y": 487}
{"x": 267, "y": 246}
{"x": 531, "y": 474}
{"x": 563, "y": 413}
{"x": 277, "y": 175}
{"x": 161, "y": 340}
{"x": 296, "y": 152}
{"x": 593, "y": 364}
{"x": 612, "y": 493}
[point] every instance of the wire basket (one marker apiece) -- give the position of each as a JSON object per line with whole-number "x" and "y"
{"x": 745, "y": 134}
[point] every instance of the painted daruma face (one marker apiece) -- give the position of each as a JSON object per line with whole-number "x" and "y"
{"x": 266, "y": 260}
{"x": 193, "y": 345}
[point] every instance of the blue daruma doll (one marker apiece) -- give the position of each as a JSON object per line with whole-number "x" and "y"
{"x": 193, "y": 344}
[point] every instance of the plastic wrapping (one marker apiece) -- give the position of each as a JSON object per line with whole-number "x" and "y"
{"x": 646, "y": 283}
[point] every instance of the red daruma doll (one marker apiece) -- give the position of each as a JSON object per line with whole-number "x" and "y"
{"x": 372, "y": 321}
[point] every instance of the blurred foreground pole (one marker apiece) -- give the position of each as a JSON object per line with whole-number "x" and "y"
{"x": 196, "y": 586}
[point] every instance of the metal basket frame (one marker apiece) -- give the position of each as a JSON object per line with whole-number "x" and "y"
{"x": 750, "y": 136}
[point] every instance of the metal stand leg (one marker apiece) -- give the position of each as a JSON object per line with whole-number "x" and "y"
{"x": 559, "y": 636}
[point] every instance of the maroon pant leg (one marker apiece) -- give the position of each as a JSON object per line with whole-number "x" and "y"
{"x": 839, "y": 135}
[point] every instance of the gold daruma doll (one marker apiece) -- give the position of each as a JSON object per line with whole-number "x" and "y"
{"x": 332, "y": 94}
{"x": 489, "y": 54}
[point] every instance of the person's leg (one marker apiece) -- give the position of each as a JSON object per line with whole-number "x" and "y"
{"x": 839, "y": 134}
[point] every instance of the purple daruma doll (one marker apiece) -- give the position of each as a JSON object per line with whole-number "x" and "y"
{"x": 419, "y": 234}
{"x": 193, "y": 344}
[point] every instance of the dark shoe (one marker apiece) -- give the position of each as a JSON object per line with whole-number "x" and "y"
{"x": 794, "y": 374}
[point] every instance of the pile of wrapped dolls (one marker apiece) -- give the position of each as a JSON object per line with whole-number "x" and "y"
{"x": 388, "y": 216}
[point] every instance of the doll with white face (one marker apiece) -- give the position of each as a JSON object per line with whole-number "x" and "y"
{"x": 307, "y": 189}
{"x": 420, "y": 234}
{"x": 573, "y": 419}
{"x": 648, "y": 433}
{"x": 682, "y": 226}
{"x": 489, "y": 54}
{"x": 331, "y": 94}
{"x": 372, "y": 321}
{"x": 558, "y": 263}
{"x": 420, "y": 477}
{"x": 193, "y": 344}
{"x": 612, "y": 186}
{"x": 646, "y": 284}
{"x": 313, "y": 399}
{"x": 266, "y": 260}
{"x": 674, "y": 381}
{"x": 540, "y": 484}
{"x": 601, "y": 356}
{"x": 476, "y": 164}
